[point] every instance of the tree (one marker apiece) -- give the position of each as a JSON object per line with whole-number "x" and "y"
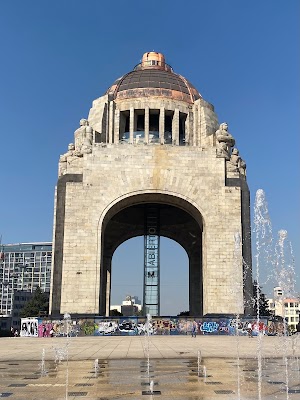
{"x": 115, "y": 313}
{"x": 263, "y": 304}
{"x": 183, "y": 314}
{"x": 39, "y": 304}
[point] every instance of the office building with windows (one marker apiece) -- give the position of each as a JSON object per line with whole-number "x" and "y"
{"x": 288, "y": 308}
{"x": 23, "y": 267}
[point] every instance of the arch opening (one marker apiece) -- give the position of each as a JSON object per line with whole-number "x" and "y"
{"x": 178, "y": 220}
{"x": 127, "y": 278}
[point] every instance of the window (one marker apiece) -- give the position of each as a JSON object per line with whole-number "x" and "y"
{"x": 153, "y": 126}
{"x": 168, "y": 127}
{"x": 124, "y": 126}
{"x": 182, "y": 119}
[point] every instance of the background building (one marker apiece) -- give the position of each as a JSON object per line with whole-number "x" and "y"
{"x": 23, "y": 267}
{"x": 288, "y": 308}
{"x": 130, "y": 306}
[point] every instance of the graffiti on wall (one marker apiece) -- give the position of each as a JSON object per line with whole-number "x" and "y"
{"x": 110, "y": 326}
{"x": 29, "y": 327}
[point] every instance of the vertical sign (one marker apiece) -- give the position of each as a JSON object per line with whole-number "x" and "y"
{"x": 151, "y": 298}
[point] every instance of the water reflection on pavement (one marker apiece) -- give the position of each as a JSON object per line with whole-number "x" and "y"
{"x": 128, "y": 379}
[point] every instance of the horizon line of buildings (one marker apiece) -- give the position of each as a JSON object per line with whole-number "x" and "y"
{"x": 26, "y": 266}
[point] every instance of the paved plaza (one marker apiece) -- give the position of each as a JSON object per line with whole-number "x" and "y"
{"x": 181, "y": 367}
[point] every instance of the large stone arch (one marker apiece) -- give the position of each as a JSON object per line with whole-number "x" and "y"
{"x": 179, "y": 220}
{"x": 142, "y": 145}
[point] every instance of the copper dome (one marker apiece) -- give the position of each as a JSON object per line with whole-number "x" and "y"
{"x": 152, "y": 78}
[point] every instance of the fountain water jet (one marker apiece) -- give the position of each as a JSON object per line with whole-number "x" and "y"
{"x": 42, "y": 365}
{"x": 96, "y": 367}
{"x": 199, "y": 361}
{"x": 280, "y": 261}
{"x": 263, "y": 241}
{"x": 238, "y": 263}
{"x": 67, "y": 321}
{"x": 285, "y": 279}
{"x": 147, "y": 337}
{"x": 151, "y": 386}
{"x": 148, "y": 327}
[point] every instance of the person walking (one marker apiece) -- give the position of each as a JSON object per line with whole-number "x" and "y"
{"x": 249, "y": 329}
{"x": 194, "y": 329}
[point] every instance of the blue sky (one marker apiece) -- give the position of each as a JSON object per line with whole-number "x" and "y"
{"x": 58, "y": 56}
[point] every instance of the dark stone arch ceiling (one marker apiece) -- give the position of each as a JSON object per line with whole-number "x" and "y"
{"x": 175, "y": 223}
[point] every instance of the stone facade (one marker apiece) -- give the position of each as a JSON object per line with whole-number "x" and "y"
{"x": 186, "y": 173}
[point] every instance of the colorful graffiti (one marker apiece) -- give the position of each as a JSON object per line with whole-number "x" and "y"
{"x": 29, "y": 327}
{"x": 118, "y": 326}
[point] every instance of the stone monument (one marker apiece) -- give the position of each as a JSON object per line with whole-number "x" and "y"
{"x": 151, "y": 142}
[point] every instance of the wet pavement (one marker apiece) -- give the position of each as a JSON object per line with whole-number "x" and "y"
{"x": 65, "y": 368}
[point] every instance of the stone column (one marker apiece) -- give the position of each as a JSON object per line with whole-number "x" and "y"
{"x": 104, "y": 290}
{"x": 188, "y": 136}
{"x": 111, "y": 122}
{"x": 195, "y": 130}
{"x": 198, "y": 110}
{"x": 106, "y": 121}
{"x": 59, "y": 240}
{"x": 195, "y": 281}
{"x": 161, "y": 125}
{"x": 175, "y": 127}
{"x": 146, "y": 124}
{"x": 117, "y": 126}
{"x": 131, "y": 124}
{"x": 191, "y": 125}
{"x": 108, "y": 289}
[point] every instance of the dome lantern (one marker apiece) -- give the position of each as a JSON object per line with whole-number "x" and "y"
{"x": 153, "y": 77}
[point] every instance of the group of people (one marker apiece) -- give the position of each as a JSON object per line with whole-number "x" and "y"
{"x": 14, "y": 332}
{"x": 194, "y": 329}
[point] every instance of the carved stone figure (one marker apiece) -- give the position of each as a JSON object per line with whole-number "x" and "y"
{"x": 87, "y": 145}
{"x": 63, "y": 159}
{"x": 71, "y": 149}
{"x": 242, "y": 167}
{"x": 83, "y": 138}
{"x": 224, "y": 141}
{"x": 79, "y": 134}
{"x": 234, "y": 163}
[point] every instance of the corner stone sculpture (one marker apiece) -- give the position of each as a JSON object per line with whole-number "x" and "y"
{"x": 63, "y": 159}
{"x": 242, "y": 167}
{"x": 83, "y": 138}
{"x": 224, "y": 141}
{"x": 83, "y": 145}
{"x": 234, "y": 163}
